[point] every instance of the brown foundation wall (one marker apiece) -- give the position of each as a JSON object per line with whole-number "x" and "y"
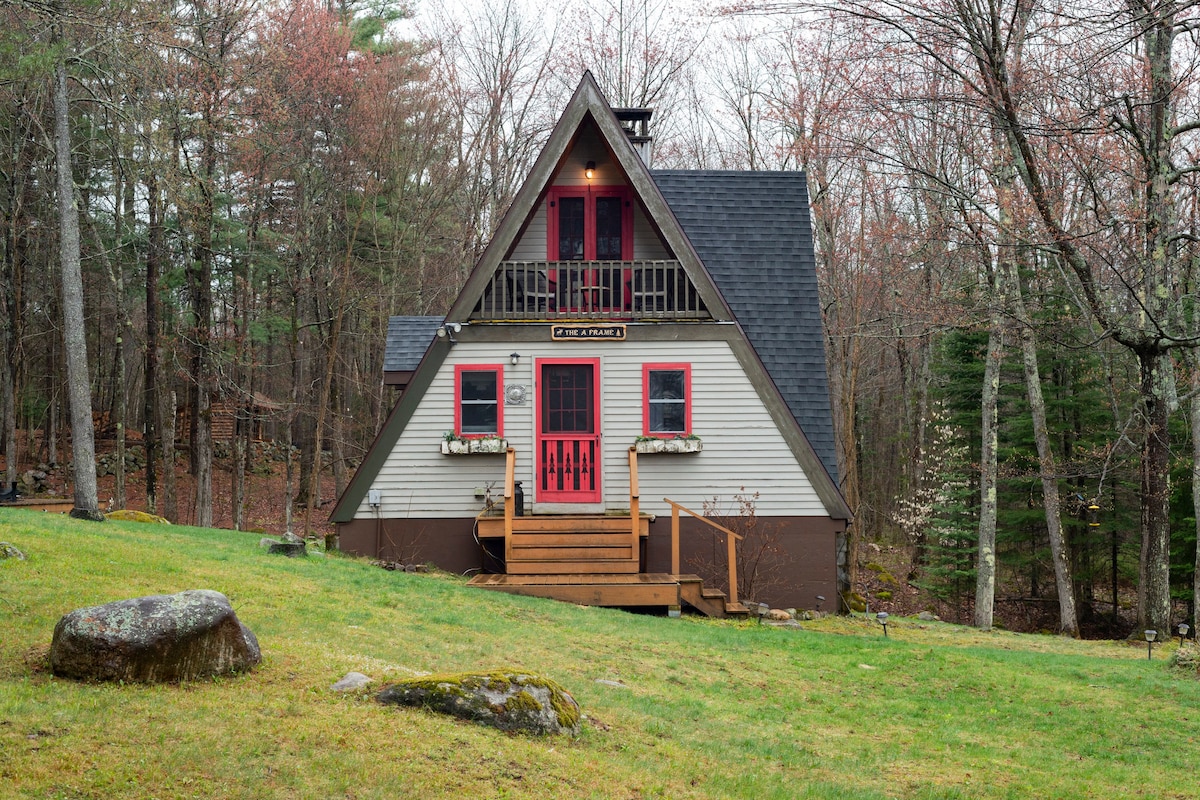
{"x": 798, "y": 554}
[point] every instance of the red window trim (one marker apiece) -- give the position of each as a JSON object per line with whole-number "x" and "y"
{"x": 459, "y": 369}
{"x": 589, "y": 195}
{"x": 687, "y": 399}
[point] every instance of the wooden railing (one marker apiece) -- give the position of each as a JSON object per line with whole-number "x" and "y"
{"x": 634, "y": 502}
{"x": 731, "y": 539}
{"x": 647, "y": 289}
{"x": 510, "y": 470}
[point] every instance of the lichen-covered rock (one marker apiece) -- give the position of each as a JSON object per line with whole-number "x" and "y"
{"x": 10, "y": 551}
{"x": 510, "y": 701}
{"x": 131, "y": 515}
{"x": 155, "y": 639}
{"x": 290, "y": 545}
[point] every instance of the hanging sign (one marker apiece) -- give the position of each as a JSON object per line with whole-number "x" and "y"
{"x": 592, "y": 333}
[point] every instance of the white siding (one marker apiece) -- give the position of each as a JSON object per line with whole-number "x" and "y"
{"x": 532, "y": 244}
{"x": 742, "y": 447}
{"x": 646, "y": 244}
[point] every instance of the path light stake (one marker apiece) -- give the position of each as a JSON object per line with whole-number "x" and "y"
{"x": 1150, "y": 637}
{"x": 763, "y": 608}
{"x": 820, "y": 599}
{"x": 1183, "y": 632}
{"x": 882, "y": 616}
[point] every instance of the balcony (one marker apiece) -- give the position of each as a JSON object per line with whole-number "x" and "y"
{"x": 620, "y": 290}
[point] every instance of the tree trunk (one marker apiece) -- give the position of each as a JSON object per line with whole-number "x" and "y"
{"x": 170, "y": 502}
{"x": 1068, "y": 618}
{"x": 1195, "y": 420}
{"x": 83, "y": 442}
{"x": 150, "y": 401}
{"x": 985, "y": 568}
{"x": 1154, "y": 588}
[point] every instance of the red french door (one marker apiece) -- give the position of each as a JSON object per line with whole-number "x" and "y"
{"x": 568, "y": 432}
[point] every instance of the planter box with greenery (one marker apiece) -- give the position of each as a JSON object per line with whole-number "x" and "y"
{"x": 454, "y": 446}
{"x": 678, "y": 444}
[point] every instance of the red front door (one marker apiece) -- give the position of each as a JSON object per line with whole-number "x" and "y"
{"x": 568, "y": 433}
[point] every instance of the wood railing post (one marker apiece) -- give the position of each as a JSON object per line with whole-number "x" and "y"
{"x": 634, "y": 511}
{"x": 674, "y": 540}
{"x": 733, "y": 598}
{"x": 510, "y": 467}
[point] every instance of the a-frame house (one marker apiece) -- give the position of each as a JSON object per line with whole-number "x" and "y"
{"x": 632, "y": 347}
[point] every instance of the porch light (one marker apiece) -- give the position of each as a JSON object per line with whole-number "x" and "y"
{"x": 1183, "y": 632}
{"x": 514, "y": 358}
{"x": 1150, "y": 637}
{"x": 882, "y": 616}
{"x": 589, "y": 170}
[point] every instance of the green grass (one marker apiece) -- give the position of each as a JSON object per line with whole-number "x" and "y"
{"x": 709, "y": 709}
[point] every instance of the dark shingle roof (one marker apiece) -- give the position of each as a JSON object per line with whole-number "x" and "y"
{"x": 407, "y": 340}
{"x": 753, "y": 232}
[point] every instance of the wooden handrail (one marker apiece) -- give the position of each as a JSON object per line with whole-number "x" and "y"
{"x": 634, "y": 501}
{"x": 731, "y": 539}
{"x": 510, "y": 468}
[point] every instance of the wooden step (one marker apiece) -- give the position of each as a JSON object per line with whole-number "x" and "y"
{"x": 593, "y": 553}
{"x": 619, "y": 566}
{"x": 617, "y": 591}
{"x": 556, "y": 539}
{"x": 710, "y": 602}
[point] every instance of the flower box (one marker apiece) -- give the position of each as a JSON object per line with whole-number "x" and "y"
{"x": 462, "y": 447}
{"x": 668, "y": 445}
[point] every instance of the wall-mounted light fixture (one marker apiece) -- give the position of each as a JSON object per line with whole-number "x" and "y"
{"x": 589, "y": 170}
{"x": 448, "y": 330}
{"x": 514, "y": 358}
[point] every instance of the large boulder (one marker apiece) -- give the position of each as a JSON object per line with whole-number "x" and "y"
{"x": 161, "y": 638}
{"x": 510, "y": 701}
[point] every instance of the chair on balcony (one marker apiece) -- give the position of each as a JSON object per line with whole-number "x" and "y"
{"x": 654, "y": 288}
{"x": 531, "y": 290}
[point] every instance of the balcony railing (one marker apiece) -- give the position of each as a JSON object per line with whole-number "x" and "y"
{"x": 590, "y": 290}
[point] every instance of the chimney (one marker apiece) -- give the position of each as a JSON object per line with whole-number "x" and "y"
{"x": 636, "y": 124}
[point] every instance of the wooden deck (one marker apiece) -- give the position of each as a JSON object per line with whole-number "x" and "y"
{"x": 641, "y": 590}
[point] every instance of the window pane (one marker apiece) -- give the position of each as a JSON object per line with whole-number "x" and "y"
{"x": 479, "y": 386}
{"x": 570, "y": 229}
{"x": 479, "y": 418}
{"x": 608, "y": 228}
{"x": 668, "y": 417}
{"x": 666, "y": 384}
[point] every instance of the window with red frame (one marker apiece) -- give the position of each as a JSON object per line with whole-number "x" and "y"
{"x": 478, "y": 408}
{"x": 667, "y": 400}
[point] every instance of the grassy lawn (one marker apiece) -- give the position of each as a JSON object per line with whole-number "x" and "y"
{"x": 708, "y": 709}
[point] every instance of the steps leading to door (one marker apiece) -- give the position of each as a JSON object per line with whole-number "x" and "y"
{"x": 552, "y": 549}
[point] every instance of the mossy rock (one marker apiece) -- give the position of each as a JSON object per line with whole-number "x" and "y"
{"x": 884, "y": 595}
{"x": 856, "y": 602}
{"x": 510, "y": 701}
{"x": 130, "y": 515}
